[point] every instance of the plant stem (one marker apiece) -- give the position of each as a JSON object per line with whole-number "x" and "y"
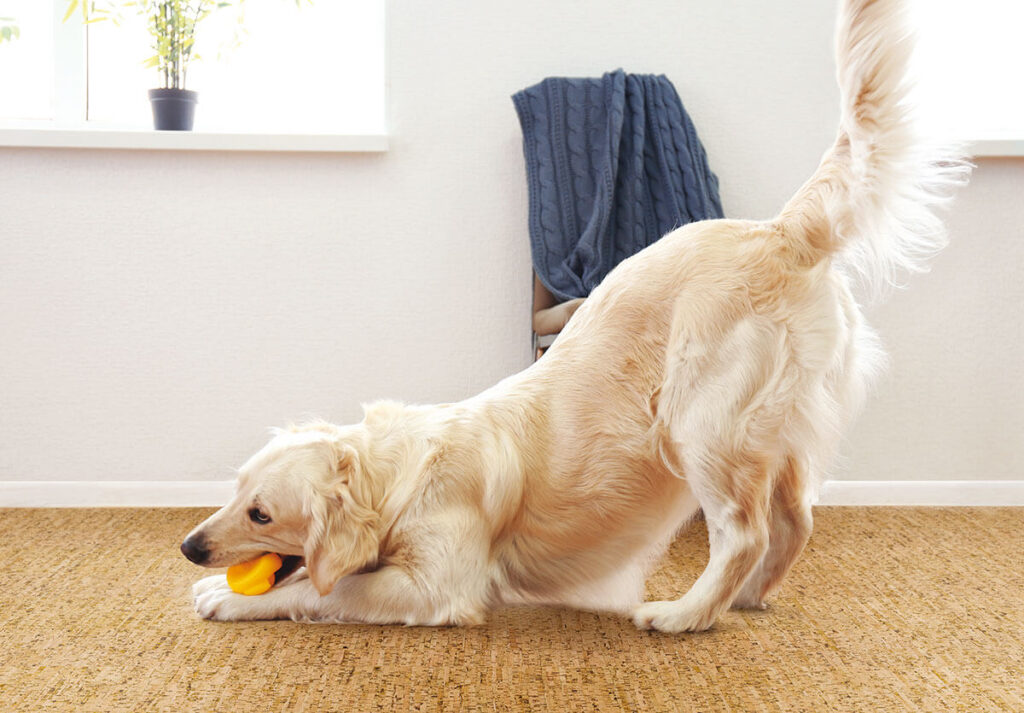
{"x": 166, "y": 63}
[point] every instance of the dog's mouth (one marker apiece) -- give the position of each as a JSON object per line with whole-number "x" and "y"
{"x": 289, "y": 563}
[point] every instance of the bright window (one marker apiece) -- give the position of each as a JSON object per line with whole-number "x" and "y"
{"x": 313, "y": 68}
{"x": 970, "y": 67}
{"x": 26, "y": 63}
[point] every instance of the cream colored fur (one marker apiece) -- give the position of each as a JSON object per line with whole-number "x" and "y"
{"x": 715, "y": 370}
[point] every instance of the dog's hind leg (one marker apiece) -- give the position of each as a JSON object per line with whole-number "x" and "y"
{"x": 736, "y": 516}
{"x": 718, "y": 418}
{"x": 790, "y": 525}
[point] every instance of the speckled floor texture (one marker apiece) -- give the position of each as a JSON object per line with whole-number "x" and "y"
{"x": 896, "y": 609}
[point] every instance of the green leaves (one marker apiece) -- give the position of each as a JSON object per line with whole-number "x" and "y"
{"x": 171, "y": 25}
{"x": 8, "y": 30}
{"x": 72, "y": 6}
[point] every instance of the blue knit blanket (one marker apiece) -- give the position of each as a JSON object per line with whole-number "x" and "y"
{"x": 612, "y": 165}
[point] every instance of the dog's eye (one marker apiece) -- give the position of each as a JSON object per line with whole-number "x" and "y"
{"x": 257, "y": 515}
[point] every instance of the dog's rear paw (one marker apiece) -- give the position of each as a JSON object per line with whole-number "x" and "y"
{"x": 752, "y": 602}
{"x": 671, "y": 617}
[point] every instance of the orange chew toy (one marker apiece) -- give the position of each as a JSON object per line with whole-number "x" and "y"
{"x": 256, "y": 576}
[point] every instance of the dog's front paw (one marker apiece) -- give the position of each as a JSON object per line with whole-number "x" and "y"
{"x": 672, "y": 617}
{"x": 206, "y": 584}
{"x": 213, "y": 599}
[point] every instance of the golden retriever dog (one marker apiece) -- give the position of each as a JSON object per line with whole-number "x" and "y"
{"x": 714, "y": 370}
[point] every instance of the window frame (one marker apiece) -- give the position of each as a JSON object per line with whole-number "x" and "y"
{"x": 977, "y": 140}
{"x": 70, "y": 127}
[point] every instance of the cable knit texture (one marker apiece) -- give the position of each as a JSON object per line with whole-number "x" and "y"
{"x": 612, "y": 165}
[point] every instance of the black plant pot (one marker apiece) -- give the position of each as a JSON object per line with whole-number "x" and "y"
{"x": 173, "y": 109}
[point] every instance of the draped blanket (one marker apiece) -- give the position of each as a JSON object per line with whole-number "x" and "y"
{"x": 612, "y": 165}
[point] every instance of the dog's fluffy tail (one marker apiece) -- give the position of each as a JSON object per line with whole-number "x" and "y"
{"x": 871, "y": 201}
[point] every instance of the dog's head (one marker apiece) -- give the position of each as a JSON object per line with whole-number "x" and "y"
{"x": 304, "y": 495}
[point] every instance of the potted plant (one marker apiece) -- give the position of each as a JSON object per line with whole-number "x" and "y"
{"x": 172, "y": 30}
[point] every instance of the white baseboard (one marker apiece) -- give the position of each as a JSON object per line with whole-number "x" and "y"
{"x": 922, "y": 492}
{"x": 213, "y": 493}
{"x": 115, "y": 493}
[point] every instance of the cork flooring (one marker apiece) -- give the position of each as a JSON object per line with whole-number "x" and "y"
{"x": 895, "y": 609}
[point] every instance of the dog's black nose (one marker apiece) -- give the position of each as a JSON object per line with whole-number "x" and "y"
{"x": 194, "y": 548}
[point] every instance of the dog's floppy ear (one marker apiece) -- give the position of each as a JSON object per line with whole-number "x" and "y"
{"x": 343, "y": 526}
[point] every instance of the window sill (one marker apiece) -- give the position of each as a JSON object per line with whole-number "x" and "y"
{"x": 145, "y": 139}
{"x": 996, "y": 147}
{"x": 88, "y": 138}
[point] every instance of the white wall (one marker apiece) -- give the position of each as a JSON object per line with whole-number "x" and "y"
{"x": 952, "y": 404}
{"x": 158, "y": 310}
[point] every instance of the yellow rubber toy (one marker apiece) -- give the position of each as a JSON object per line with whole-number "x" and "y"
{"x": 256, "y": 576}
